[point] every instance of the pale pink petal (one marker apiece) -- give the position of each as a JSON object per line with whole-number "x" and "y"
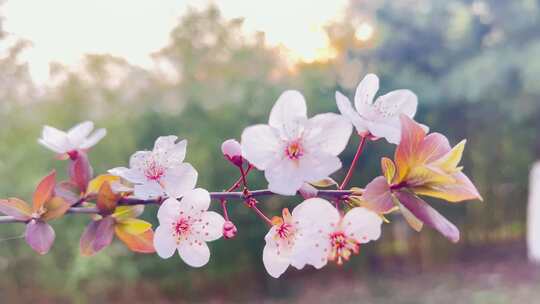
{"x": 195, "y": 201}
{"x": 261, "y": 146}
{"x": 388, "y": 129}
{"x": 311, "y": 248}
{"x": 316, "y": 212}
{"x": 346, "y": 109}
{"x": 327, "y": 133}
{"x": 148, "y": 190}
{"x": 174, "y": 153}
{"x": 284, "y": 177}
{"x": 397, "y": 102}
{"x": 139, "y": 160}
{"x": 131, "y": 175}
{"x": 179, "y": 180}
{"x": 93, "y": 139}
{"x": 362, "y": 225}
{"x": 194, "y": 252}
{"x": 365, "y": 92}
{"x": 164, "y": 242}
{"x": 316, "y": 166}
{"x": 55, "y": 140}
{"x": 164, "y": 143}
{"x": 78, "y": 133}
{"x": 288, "y": 110}
{"x": 169, "y": 211}
{"x": 210, "y": 226}
{"x": 276, "y": 258}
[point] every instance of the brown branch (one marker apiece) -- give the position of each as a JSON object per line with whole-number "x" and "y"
{"x": 218, "y": 196}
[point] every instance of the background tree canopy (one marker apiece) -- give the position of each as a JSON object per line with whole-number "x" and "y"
{"x": 473, "y": 64}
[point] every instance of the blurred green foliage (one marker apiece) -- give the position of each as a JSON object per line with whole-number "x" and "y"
{"x": 473, "y": 64}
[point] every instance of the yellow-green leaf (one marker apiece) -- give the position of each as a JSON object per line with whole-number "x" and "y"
{"x": 125, "y": 212}
{"x": 133, "y": 226}
{"x": 96, "y": 183}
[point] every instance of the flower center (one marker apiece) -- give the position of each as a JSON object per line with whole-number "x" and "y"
{"x": 181, "y": 228}
{"x": 154, "y": 170}
{"x": 294, "y": 150}
{"x": 284, "y": 230}
{"x": 342, "y": 247}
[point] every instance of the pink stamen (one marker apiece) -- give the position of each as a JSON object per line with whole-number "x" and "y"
{"x": 342, "y": 247}
{"x": 153, "y": 170}
{"x": 294, "y": 150}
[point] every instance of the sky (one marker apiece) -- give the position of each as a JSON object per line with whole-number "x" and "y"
{"x": 64, "y": 30}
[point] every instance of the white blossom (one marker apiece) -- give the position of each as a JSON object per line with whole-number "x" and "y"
{"x": 293, "y": 149}
{"x": 161, "y": 171}
{"x": 379, "y": 118}
{"x": 78, "y": 138}
{"x": 186, "y": 226}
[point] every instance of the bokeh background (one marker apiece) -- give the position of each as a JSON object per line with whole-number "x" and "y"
{"x": 475, "y": 66}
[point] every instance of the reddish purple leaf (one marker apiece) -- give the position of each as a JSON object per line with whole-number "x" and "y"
{"x": 377, "y": 196}
{"x": 17, "y": 208}
{"x": 40, "y": 236}
{"x": 97, "y": 236}
{"x": 80, "y": 171}
{"x": 428, "y": 215}
{"x": 68, "y": 191}
{"x": 44, "y": 190}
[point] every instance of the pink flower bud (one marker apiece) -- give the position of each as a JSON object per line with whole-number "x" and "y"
{"x": 232, "y": 151}
{"x": 229, "y": 230}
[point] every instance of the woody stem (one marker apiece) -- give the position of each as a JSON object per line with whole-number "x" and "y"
{"x": 218, "y": 196}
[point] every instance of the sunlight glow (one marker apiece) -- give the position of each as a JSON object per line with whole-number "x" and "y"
{"x": 64, "y": 30}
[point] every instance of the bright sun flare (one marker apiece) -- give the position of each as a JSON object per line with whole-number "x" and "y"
{"x": 64, "y": 30}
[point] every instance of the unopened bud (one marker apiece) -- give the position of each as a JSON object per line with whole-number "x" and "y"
{"x": 229, "y": 230}
{"x": 232, "y": 151}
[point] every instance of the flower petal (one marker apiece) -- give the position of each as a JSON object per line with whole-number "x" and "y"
{"x": 194, "y": 252}
{"x": 164, "y": 242}
{"x": 148, "y": 190}
{"x": 398, "y": 102}
{"x": 210, "y": 226}
{"x": 328, "y": 133}
{"x": 365, "y": 92}
{"x": 139, "y": 159}
{"x": 276, "y": 258}
{"x": 362, "y": 225}
{"x": 169, "y": 211}
{"x": 345, "y": 107}
{"x": 284, "y": 177}
{"x": 261, "y": 146}
{"x": 195, "y": 201}
{"x": 288, "y": 110}
{"x": 175, "y": 152}
{"x": 316, "y": 166}
{"x": 179, "y": 180}
{"x": 377, "y": 196}
{"x": 55, "y": 140}
{"x": 131, "y": 175}
{"x": 428, "y": 215}
{"x": 93, "y": 139}
{"x": 78, "y": 133}
{"x": 388, "y": 129}
{"x": 316, "y": 212}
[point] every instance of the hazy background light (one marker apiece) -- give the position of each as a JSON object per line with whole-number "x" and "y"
{"x": 364, "y": 31}
{"x": 64, "y": 30}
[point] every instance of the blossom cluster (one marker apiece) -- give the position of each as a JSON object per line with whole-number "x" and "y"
{"x": 297, "y": 154}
